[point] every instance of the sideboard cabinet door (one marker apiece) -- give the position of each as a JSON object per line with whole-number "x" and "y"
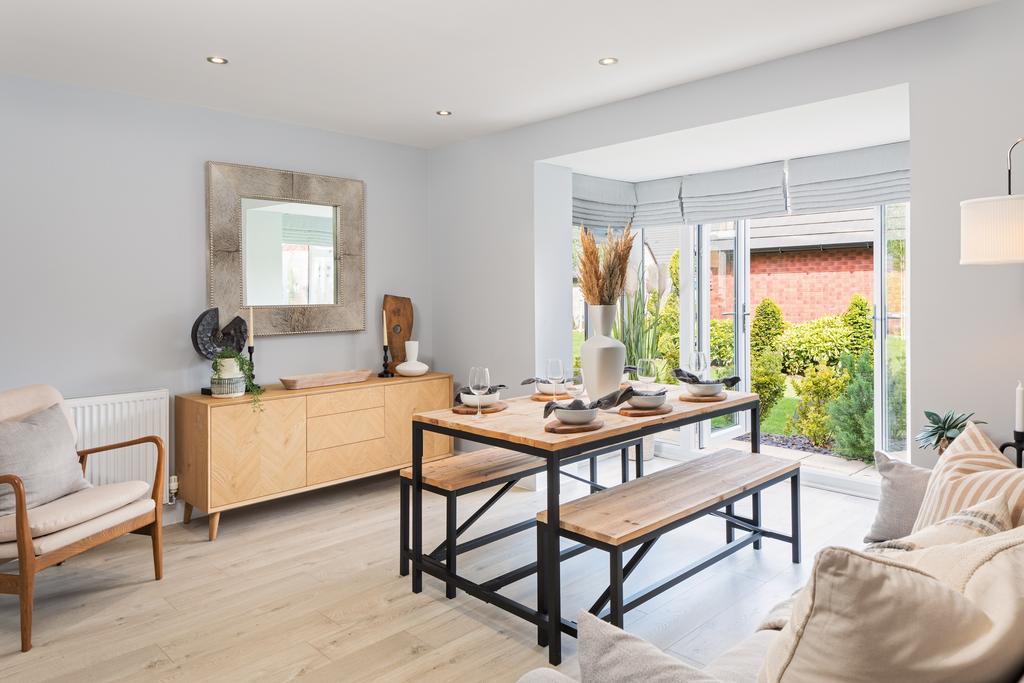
{"x": 400, "y": 403}
{"x": 255, "y": 454}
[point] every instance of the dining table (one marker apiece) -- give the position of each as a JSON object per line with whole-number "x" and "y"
{"x": 521, "y": 428}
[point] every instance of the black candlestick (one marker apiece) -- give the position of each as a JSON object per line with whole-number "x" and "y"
{"x": 1017, "y": 444}
{"x": 385, "y": 372}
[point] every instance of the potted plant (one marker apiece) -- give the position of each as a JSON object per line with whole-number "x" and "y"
{"x": 942, "y": 429}
{"x": 233, "y": 376}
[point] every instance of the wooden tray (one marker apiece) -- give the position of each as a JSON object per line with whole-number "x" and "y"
{"x": 703, "y": 399}
{"x": 325, "y": 379}
{"x": 463, "y": 409}
{"x": 556, "y": 427}
{"x": 550, "y": 397}
{"x": 629, "y": 411}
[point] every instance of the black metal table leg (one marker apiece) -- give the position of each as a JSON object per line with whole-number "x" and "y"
{"x": 553, "y": 565}
{"x": 755, "y": 447}
{"x": 729, "y": 529}
{"x": 638, "y": 451}
{"x": 794, "y": 484}
{"x": 417, "y": 506}
{"x": 755, "y": 515}
{"x": 451, "y": 541}
{"x": 593, "y": 474}
{"x": 625, "y": 465}
{"x": 615, "y": 586}
{"x": 403, "y": 532}
{"x": 542, "y": 601}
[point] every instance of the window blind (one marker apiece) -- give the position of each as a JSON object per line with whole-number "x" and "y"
{"x": 848, "y": 180}
{"x": 657, "y": 203}
{"x": 601, "y": 202}
{"x": 315, "y": 231}
{"x": 748, "y": 192}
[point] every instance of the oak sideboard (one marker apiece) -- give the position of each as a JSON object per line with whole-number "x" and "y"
{"x": 228, "y": 455}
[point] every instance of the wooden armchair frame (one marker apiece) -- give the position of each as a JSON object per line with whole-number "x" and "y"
{"x": 22, "y": 584}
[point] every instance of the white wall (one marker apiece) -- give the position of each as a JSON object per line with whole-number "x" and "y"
{"x": 966, "y": 322}
{"x": 103, "y": 251}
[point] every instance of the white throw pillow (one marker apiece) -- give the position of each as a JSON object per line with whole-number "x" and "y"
{"x": 866, "y": 617}
{"x": 900, "y": 494}
{"x": 987, "y": 518}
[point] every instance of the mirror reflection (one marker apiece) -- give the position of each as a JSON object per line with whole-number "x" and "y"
{"x": 288, "y": 249}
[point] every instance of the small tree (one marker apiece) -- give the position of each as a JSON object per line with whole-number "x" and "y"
{"x": 668, "y": 323}
{"x": 767, "y": 380}
{"x": 858, "y": 319}
{"x": 766, "y": 327}
{"x": 820, "y": 386}
{"x": 852, "y": 415}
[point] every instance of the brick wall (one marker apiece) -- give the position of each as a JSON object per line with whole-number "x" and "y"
{"x": 805, "y": 284}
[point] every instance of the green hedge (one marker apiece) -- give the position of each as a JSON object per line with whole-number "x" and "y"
{"x": 815, "y": 342}
{"x": 722, "y": 344}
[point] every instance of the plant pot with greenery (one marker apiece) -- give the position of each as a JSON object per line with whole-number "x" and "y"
{"x": 233, "y": 377}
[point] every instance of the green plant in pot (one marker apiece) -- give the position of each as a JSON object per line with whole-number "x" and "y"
{"x": 942, "y": 429}
{"x": 233, "y": 376}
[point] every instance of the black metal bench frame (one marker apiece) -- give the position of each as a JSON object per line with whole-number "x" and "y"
{"x": 612, "y": 605}
{"x": 450, "y": 548}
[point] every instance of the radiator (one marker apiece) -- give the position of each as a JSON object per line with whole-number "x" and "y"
{"x": 102, "y": 420}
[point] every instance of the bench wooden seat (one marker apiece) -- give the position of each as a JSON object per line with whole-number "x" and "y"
{"x": 623, "y": 513}
{"x": 458, "y": 472}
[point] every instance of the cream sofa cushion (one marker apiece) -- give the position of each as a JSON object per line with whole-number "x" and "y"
{"x": 971, "y": 470}
{"x": 76, "y": 508}
{"x": 987, "y": 518}
{"x": 55, "y": 541}
{"x": 901, "y": 491}
{"x": 867, "y": 617}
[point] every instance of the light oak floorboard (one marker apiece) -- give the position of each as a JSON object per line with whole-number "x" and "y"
{"x": 307, "y": 589}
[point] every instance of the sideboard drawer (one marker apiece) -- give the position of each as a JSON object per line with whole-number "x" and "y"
{"x": 344, "y": 428}
{"x": 340, "y": 462}
{"x": 344, "y": 401}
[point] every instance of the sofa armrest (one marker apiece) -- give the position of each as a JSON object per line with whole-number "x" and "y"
{"x": 161, "y": 459}
{"x": 26, "y": 551}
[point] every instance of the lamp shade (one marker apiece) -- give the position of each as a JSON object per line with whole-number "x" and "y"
{"x": 992, "y": 230}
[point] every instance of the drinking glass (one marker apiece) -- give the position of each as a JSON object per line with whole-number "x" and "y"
{"x": 699, "y": 364}
{"x": 646, "y": 372}
{"x": 554, "y": 371}
{"x": 479, "y": 384}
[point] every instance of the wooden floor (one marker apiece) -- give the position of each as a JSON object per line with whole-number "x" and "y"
{"x": 308, "y": 588}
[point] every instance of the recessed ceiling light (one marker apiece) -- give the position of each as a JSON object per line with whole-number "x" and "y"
{"x": 217, "y": 60}
{"x": 443, "y": 112}
{"x": 608, "y": 61}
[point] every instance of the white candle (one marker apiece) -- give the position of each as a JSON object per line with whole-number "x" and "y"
{"x": 1018, "y": 423}
{"x": 384, "y": 329}
{"x": 252, "y": 328}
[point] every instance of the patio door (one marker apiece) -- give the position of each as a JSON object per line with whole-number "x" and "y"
{"x": 723, "y": 316}
{"x": 890, "y": 329}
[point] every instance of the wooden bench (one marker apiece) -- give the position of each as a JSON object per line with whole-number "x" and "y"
{"x": 639, "y": 512}
{"x": 464, "y": 473}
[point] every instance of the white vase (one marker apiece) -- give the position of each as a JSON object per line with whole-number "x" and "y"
{"x": 229, "y": 382}
{"x": 602, "y": 358}
{"x": 412, "y": 367}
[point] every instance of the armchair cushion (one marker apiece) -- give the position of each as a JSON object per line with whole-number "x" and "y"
{"x": 40, "y": 449}
{"x": 55, "y": 541}
{"x": 76, "y": 508}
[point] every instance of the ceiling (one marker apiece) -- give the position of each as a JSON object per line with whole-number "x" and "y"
{"x": 380, "y": 69}
{"x": 862, "y": 120}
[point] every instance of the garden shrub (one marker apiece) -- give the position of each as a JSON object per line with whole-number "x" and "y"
{"x": 896, "y": 379}
{"x": 767, "y": 380}
{"x": 852, "y": 415}
{"x": 766, "y": 327}
{"x": 668, "y": 324}
{"x": 820, "y": 386}
{"x": 815, "y": 342}
{"x": 722, "y": 344}
{"x": 858, "y": 319}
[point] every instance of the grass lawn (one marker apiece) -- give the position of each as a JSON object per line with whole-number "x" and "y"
{"x": 775, "y": 422}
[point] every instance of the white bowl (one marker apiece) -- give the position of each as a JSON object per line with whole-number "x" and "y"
{"x": 482, "y": 401}
{"x": 705, "y": 389}
{"x": 647, "y": 402}
{"x": 576, "y": 417}
{"x": 553, "y": 389}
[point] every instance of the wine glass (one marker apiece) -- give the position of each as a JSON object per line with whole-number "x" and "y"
{"x": 554, "y": 371}
{"x": 479, "y": 384}
{"x": 699, "y": 364}
{"x": 646, "y": 372}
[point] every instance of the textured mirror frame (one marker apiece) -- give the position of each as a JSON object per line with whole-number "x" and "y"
{"x": 226, "y": 184}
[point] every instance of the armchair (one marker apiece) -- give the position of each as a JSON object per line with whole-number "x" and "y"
{"x": 51, "y": 533}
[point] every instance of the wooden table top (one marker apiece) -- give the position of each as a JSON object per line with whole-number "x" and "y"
{"x": 622, "y": 513}
{"x": 523, "y": 422}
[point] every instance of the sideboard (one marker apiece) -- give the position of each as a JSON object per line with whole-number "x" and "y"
{"x": 228, "y": 455}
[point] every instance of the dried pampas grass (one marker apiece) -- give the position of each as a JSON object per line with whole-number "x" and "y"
{"x": 603, "y": 269}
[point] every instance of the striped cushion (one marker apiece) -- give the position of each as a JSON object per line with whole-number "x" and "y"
{"x": 971, "y": 470}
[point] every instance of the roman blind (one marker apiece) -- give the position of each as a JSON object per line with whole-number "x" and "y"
{"x": 601, "y": 202}
{"x": 657, "y": 203}
{"x": 848, "y": 180}
{"x": 316, "y": 231}
{"x": 748, "y": 192}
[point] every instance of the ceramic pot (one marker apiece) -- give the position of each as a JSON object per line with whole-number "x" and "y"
{"x": 412, "y": 367}
{"x": 601, "y": 357}
{"x": 229, "y": 382}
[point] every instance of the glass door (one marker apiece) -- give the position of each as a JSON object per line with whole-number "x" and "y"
{"x": 722, "y": 329}
{"x": 890, "y": 321}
